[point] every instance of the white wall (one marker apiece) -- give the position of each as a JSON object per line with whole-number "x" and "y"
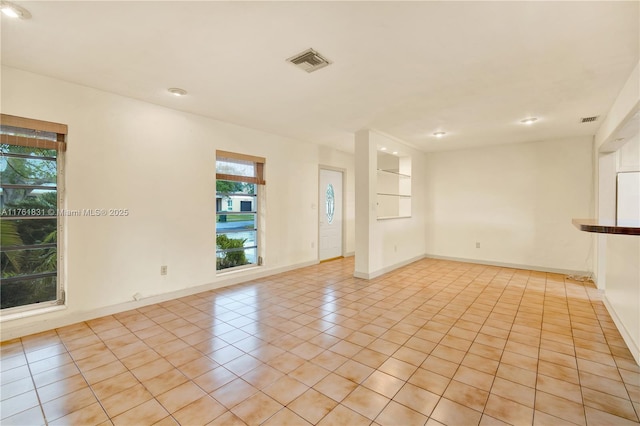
{"x": 622, "y": 268}
{"x": 160, "y": 164}
{"x": 617, "y": 258}
{"x": 383, "y": 245}
{"x": 622, "y": 293}
{"x": 516, "y": 200}
{"x": 607, "y": 141}
{"x": 628, "y": 181}
{"x": 629, "y": 155}
{"x": 626, "y": 103}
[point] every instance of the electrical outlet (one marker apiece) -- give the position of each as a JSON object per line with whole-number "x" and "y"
{"x": 395, "y": 248}
{"x": 477, "y": 245}
{"x": 163, "y": 270}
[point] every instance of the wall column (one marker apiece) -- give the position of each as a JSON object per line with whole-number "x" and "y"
{"x": 365, "y": 171}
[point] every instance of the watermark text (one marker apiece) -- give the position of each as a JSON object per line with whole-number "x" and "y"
{"x": 40, "y": 212}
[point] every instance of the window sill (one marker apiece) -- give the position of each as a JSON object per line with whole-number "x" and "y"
{"x": 236, "y": 270}
{"x": 30, "y": 313}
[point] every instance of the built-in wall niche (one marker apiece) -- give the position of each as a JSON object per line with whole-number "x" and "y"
{"x": 628, "y": 180}
{"x": 393, "y": 185}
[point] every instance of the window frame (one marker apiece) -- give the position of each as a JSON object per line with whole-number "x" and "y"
{"x": 60, "y": 146}
{"x": 258, "y": 180}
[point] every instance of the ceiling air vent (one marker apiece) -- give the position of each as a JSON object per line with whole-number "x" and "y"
{"x": 309, "y": 60}
{"x": 589, "y": 119}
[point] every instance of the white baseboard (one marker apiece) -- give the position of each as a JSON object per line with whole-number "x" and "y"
{"x": 626, "y": 336}
{"x": 43, "y": 323}
{"x": 40, "y": 323}
{"x": 375, "y": 274}
{"x": 511, "y": 265}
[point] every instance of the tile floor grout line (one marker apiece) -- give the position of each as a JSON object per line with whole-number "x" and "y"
{"x": 82, "y": 373}
{"x": 35, "y": 388}
{"x": 448, "y": 305}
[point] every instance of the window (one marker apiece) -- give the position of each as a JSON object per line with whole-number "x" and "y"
{"x": 31, "y": 153}
{"x": 238, "y": 181}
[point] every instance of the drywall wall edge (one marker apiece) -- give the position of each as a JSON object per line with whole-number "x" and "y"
{"x": 631, "y": 344}
{"x": 387, "y": 269}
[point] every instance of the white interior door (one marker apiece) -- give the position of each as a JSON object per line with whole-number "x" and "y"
{"x": 330, "y": 208}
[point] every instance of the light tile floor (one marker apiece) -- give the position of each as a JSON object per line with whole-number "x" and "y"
{"x": 435, "y": 342}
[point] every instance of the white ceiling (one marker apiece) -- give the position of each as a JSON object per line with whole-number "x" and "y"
{"x": 471, "y": 69}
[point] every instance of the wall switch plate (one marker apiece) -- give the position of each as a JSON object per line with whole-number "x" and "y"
{"x": 163, "y": 270}
{"x": 477, "y": 245}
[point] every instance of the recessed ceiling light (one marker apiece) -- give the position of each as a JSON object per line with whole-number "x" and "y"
{"x": 529, "y": 120}
{"x": 395, "y": 152}
{"x": 439, "y": 134}
{"x": 177, "y": 91}
{"x": 14, "y": 11}
{"x": 383, "y": 149}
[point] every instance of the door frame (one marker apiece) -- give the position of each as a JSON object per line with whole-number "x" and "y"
{"x": 344, "y": 204}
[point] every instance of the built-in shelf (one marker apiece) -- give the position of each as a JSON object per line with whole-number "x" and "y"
{"x": 393, "y": 186}
{"x": 394, "y": 195}
{"x": 602, "y": 226}
{"x": 395, "y": 172}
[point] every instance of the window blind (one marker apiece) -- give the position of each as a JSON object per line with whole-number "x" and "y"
{"x": 239, "y": 167}
{"x": 27, "y": 132}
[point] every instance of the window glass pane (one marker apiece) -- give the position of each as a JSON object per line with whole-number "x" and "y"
{"x": 231, "y": 250}
{"x": 28, "y": 202}
{"x": 25, "y": 292}
{"x": 235, "y": 222}
{"x": 244, "y": 239}
{"x": 16, "y": 263}
{"x": 23, "y": 150}
{"x": 225, "y": 188}
{"x": 236, "y": 167}
{"x": 26, "y": 232}
{"x": 252, "y": 255}
{"x": 235, "y": 257}
{"x": 27, "y": 171}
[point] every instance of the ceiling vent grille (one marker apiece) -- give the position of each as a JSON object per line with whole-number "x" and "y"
{"x": 589, "y": 119}
{"x": 309, "y": 60}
